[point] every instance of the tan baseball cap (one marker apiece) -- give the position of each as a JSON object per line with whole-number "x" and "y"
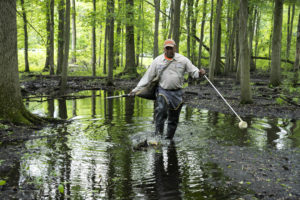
{"x": 169, "y": 43}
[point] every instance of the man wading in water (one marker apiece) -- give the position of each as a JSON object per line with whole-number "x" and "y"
{"x": 169, "y": 93}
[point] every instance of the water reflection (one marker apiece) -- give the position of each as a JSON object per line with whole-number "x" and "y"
{"x": 92, "y": 157}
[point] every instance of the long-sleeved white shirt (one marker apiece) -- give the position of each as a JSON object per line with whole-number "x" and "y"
{"x": 173, "y": 76}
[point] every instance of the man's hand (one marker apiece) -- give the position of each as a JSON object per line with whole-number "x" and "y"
{"x": 201, "y": 72}
{"x": 131, "y": 94}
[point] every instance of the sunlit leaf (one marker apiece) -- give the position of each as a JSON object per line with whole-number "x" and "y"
{"x": 2, "y": 182}
{"x": 61, "y": 188}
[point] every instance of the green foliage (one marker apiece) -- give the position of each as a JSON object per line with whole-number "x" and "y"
{"x": 2, "y": 182}
{"x": 61, "y": 188}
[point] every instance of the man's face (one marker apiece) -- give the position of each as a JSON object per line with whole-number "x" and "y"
{"x": 170, "y": 51}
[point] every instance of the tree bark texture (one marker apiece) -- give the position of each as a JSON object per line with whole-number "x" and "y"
{"x": 73, "y": 60}
{"x": 94, "y": 40}
{"x": 25, "y": 37}
{"x": 246, "y": 96}
{"x": 130, "y": 67}
{"x": 289, "y": 30}
{"x": 64, "y": 74}
{"x": 110, "y": 6}
{"x": 155, "y": 45}
{"x": 213, "y": 59}
{"x": 275, "y": 78}
{"x": 11, "y": 105}
{"x": 297, "y": 59}
{"x": 202, "y": 33}
{"x": 49, "y": 64}
{"x": 176, "y": 30}
{"x": 60, "y": 37}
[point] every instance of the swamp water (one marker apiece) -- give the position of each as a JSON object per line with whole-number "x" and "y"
{"x": 92, "y": 157}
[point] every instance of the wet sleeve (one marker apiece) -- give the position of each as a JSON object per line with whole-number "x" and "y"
{"x": 148, "y": 76}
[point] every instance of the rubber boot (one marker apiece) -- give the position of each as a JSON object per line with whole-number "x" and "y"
{"x": 173, "y": 119}
{"x": 161, "y": 110}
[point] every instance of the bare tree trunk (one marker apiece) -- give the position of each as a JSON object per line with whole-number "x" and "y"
{"x": 176, "y": 30}
{"x": 257, "y": 34}
{"x": 73, "y": 60}
{"x": 246, "y": 96}
{"x": 297, "y": 59}
{"x": 105, "y": 44}
{"x": 289, "y": 30}
{"x": 25, "y": 37}
{"x": 60, "y": 38}
{"x": 49, "y": 64}
{"x": 94, "y": 40}
{"x": 11, "y": 104}
{"x": 252, "y": 20}
{"x": 130, "y": 67}
{"x": 202, "y": 33}
{"x": 275, "y": 78}
{"x": 155, "y": 45}
{"x": 188, "y": 27}
{"x": 193, "y": 31}
{"x": 171, "y": 20}
{"x": 64, "y": 74}
{"x": 213, "y": 60}
{"x": 110, "y": 7}
{"x": 211, "y": 28}
{"x": 118, "y": 38}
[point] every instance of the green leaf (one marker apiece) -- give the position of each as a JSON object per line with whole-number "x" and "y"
{"x": 2, "y": 182}
{"x": 61, "y": 188}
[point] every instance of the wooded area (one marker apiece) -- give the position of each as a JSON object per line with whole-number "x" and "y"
{"x": 119, "y": 38}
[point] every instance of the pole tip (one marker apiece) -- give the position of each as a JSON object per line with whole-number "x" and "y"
{"x": 243, "y": 125}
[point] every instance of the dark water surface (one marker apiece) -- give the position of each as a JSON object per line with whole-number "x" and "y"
{"x": 91, "y": 157}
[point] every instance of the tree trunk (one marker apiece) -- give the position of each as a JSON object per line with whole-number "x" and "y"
{"x": 193, "y": 31}
{"x": 188, "y": 27}
{"x": 257, "y": 34}
{"x": 171, "y": 19}
{"x": 110, "y": 7}
{"x": 253, "y": 13}
{"x": 94, "y": 40}
{"x": 118, "y": 36}
{"x": 49, "y": 64}
{"x": 246, "y": 96}
{"x": 211, "y": 27}
{"x": 289, "y": 30}
{"x": 202, "y": 33}
{"x": 11, "y": 104}
{"x": 105, "y": 44}
{"x": 297, "y": 59}
{"x": 73, "y": 60}
{"x": 25, "y": 37}
{"x": 213, "y": 59}
{"x": 230, "y": 37}
{"x": 275, "y": 78}
{"x": 176, "y": 30}
{"x": 60, "y": 38}
{"x": 130, "y": 67}
{"x": 155, "y": 45}
{"x": 64, "y": 74}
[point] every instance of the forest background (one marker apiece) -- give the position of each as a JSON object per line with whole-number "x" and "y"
{"x": 120, "y": 38}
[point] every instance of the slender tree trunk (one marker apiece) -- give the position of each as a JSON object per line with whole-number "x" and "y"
{"x": 257, "y": 34}
{"x": 49, "y": 64}
{"x": 188, "y": 27}
{"x": 64, "y": 74}
{"x": 213, "y": 60}
{"x": 94, "y": 40}
{"x": 138, "y": 37}
{"x": 60, "y": 38}
{"x": 211, "y": 28}
{"x": 297, "y": 59}
{"x": 12, "y": 108}
{"x": 110, "y": 7}
{"x": 105, "y": 44}
{"x": 155, "y": 45}
{"x": 202, "y": 33}
{"x": 252, "y": 20}
{"x": 289, "y": 31}
{"x": 73, "y": 60}
{"x": 25, "y": 37}
{"x": 230, "y": 38}
{"x": 246, "y": 96}
{"x": 171, "y": 19}
{"x": 118, "y": 36}
{"x": 193, "y": 31}
{"x": 275, "y": 78}
{"x": 130, "y": 67}
{"x": 100, "y": 47}
{"x": 176, "y": 30}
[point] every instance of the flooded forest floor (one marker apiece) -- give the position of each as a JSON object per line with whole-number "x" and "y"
{"x": 269, "y": 174}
